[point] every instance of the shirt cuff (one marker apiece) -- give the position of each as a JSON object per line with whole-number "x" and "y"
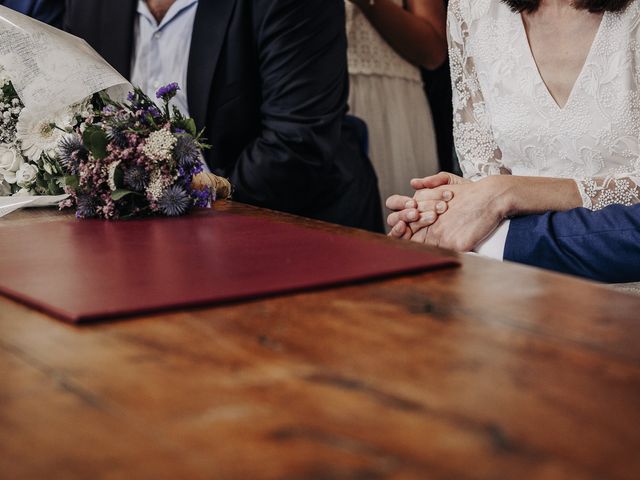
{"x": 493, "y": 245}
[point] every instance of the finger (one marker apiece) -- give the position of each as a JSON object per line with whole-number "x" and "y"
{"x": 399, "y": 230}
{"x": 433, "y": 181}
{"x": 426, "y": 219}
{"x": 431, "y": 194}
{"x": 437, "y": 206}
{"x": 407, "y": 216}
{"x": 400, "y": 202}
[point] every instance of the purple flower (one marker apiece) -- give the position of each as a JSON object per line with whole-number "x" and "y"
{"x": 136, "y": 178}
{"x": 87, "y": 206}
{"x": 186, "y": 151}
{"x": 72, "y": 153}
{"x": 203, "y": 198}
{"x": 174, "y": 201}
{"x": 167, "y": 92}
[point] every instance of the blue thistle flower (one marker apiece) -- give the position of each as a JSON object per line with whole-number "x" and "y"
{"x": 86, "y": 206}
{"x": 186, "y": 151}
{"x": 174, "y": 201}
{"x": 136, "y": 178}
{"x": 72, "y": 152}
{"x": 117, "y": 136}
{"x": 167, "y": 92}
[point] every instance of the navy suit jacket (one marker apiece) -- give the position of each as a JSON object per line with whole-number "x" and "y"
{"x": 603, "y": 245}
{"x": 47, "y": 11}
{"x": 269, "y": 81}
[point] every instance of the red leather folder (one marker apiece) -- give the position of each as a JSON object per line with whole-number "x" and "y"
{"x": 90, "y": 270}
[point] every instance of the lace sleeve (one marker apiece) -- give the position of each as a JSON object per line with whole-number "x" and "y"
{"x": 598, "y": 193}
{"x": 477, "y": 150}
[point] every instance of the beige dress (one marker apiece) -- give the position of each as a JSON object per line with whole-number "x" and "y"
{"x": 387, "y": 93}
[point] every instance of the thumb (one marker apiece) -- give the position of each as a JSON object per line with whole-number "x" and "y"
{"x": 434, "y": 181}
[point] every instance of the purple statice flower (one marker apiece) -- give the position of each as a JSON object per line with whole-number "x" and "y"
{"x": 203, "y": 198}
{"x": 174, "y": 201}
{"x": 136, "y": 178}
{"x": 131, "y": 96}
{"x": 186, "y": 152}
{"x": 167, "y": 92}
{"x": 154, "y": 111}
{"x": 72, "y": 152}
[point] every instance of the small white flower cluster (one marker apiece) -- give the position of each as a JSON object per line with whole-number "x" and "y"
{"x": 159, "y": 145}
{"x": 9, "y": 111}
{"x": 157, "y": 185}
{"x": 112, "y": 175}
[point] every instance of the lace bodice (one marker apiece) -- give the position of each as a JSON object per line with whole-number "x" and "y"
{"x": 369, "y": 53}
{"x": 507, "y": 122}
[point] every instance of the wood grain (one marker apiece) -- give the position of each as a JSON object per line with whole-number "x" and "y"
{"x": 490, "y": 371}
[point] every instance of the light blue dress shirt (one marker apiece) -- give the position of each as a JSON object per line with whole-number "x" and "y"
{"x": 161, "y": 51}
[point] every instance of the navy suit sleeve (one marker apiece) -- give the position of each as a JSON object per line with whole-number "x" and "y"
{"x": 304, "y": 89}
{"x": 602, "y": 245}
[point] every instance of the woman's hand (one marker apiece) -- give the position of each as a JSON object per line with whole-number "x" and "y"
{"x": 477, "y": 208}
{"x": 422, "y": 210}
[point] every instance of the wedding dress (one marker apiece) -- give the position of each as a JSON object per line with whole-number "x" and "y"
{"x": 507, "y": 122}
{"x": 386, "y": 91}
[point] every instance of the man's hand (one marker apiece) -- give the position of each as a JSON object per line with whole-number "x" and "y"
{"x": 418, "y": 212}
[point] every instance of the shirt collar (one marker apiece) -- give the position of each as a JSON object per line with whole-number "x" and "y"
{"x": 176, "y": 9}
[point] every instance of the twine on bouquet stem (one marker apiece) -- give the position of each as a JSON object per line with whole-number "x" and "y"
{"x": 220, "y": 185}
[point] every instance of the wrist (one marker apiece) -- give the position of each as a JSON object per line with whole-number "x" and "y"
{"x": 504, "y": 198}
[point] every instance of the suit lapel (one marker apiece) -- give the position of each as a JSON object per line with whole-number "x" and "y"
{"x": 116, "y": 33}
{"x": 209, "y": 30}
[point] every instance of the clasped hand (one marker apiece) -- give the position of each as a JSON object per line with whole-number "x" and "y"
{"x": 447, "y": 211}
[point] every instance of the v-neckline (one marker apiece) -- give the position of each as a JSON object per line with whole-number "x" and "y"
{"x": 532, "y": 59}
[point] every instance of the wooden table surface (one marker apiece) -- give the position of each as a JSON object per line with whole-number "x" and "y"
{"x": 488, "y": 371}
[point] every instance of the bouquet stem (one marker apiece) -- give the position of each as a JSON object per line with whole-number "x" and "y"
{"x": 220, "y": 185}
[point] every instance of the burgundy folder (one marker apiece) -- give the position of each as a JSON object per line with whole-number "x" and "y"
{"x": 90, "y": 270}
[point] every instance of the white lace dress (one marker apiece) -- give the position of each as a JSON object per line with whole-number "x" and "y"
{"x": 507, "y": 122}
{"x": 387, "y": 93}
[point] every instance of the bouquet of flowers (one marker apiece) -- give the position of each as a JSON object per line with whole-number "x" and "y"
{"x": 114, "y": 160}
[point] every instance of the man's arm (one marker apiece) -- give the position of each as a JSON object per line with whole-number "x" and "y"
{"x": 303, "y": 68}
{"x": 603, "y": 245}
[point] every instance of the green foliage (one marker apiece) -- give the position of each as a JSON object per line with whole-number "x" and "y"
{"x": 96, "y": 141}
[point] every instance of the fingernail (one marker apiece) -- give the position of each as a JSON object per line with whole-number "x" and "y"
{"x": 447, "y": 195}
{"x": 430, "y": 217}
{"x": 412, "y": 216}
{"x": 409, "y": 204}
{"x": 441, "y": 207}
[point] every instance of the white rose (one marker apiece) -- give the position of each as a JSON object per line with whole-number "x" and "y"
{"x": 10, "y": 162}
{"x": 26, "y": 175}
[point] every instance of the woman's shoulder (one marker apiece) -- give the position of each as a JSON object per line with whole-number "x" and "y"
{"x": 470, "y": 11}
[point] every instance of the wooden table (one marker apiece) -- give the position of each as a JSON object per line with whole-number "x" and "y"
{"x": 489, "y": 371}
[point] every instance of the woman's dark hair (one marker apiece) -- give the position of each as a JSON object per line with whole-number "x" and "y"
{"x": 592, "y": 5}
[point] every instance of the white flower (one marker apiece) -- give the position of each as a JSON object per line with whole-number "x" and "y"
{"x": 112, "y": 175}
{"x": 159, "y": 145}
{"x": 39, "y": 132}
{"x": 10, "y": 162}
{"x": 26, "y": 175}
